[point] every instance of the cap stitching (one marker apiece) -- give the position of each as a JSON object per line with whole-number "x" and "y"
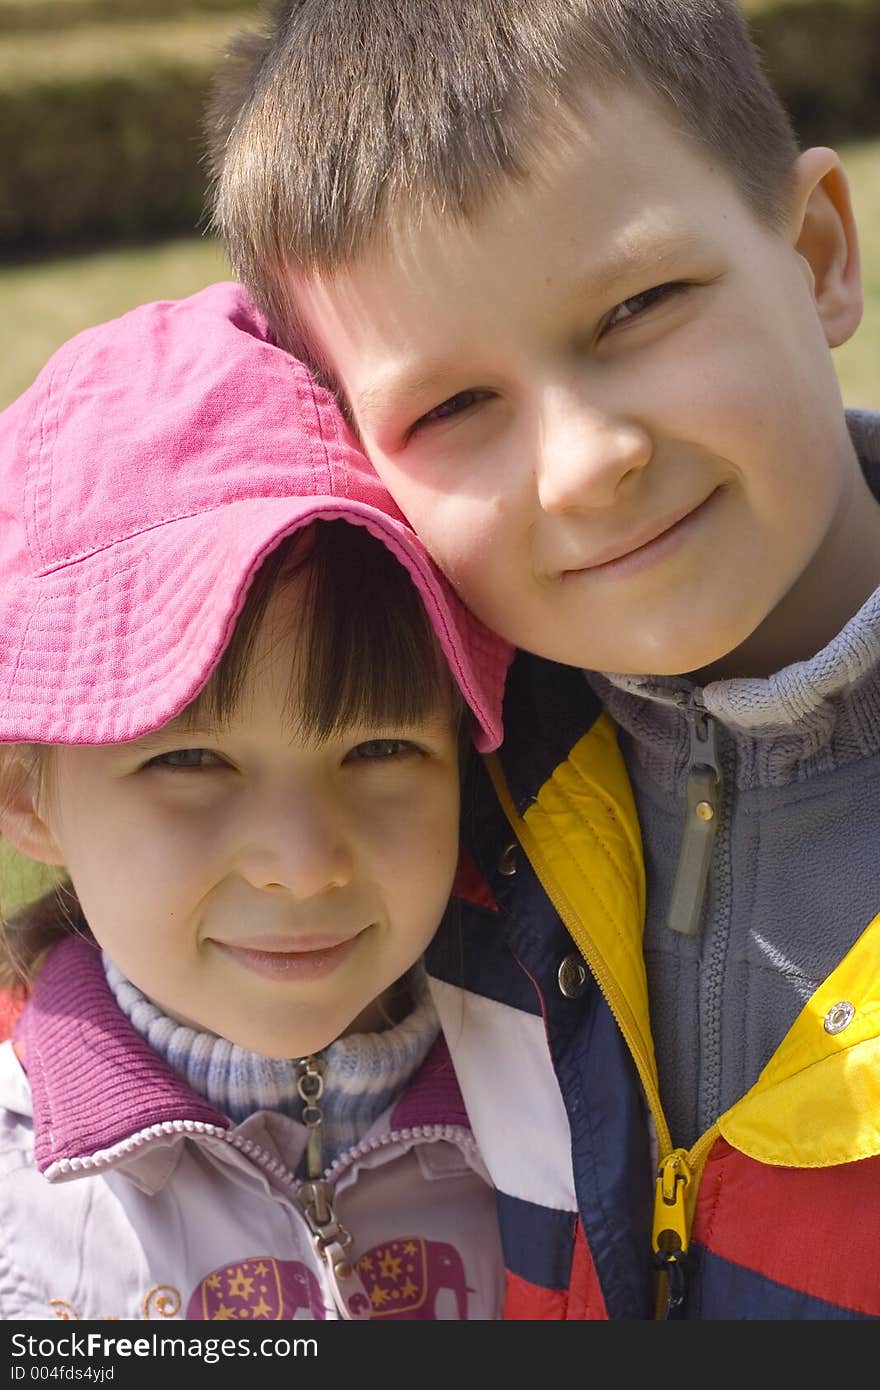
{"x": 306, "y": 393}
{"x": 319, "y": 401}
{"x": 21, "y": 649}
{"x": 168, "y": 520}
{"x": 34, "y": 483}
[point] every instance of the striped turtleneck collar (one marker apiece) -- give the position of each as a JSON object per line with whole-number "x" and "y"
{"x": 364, "y": 1073}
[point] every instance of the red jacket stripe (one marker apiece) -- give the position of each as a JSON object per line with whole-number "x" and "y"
{"x": 816, "y": 1230}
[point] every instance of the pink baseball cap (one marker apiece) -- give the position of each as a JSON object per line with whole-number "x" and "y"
{"x": 144, "y": 477}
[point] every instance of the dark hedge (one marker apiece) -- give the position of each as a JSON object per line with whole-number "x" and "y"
{"x": 110, "y": 155}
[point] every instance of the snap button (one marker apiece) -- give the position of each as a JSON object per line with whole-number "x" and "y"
{"x": 839, "y": 1016}
{"x": 572, "y": 976}
{"x": 507, "y": 862}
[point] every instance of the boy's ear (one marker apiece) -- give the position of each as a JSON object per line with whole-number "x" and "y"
{"x": 20, "y": 820}
{"x": 823, "y": 229}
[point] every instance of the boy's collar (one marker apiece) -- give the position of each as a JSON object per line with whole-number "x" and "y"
{"x": 794, "y": 693}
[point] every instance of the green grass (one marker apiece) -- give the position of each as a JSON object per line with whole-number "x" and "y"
{"x": 185, "y": 41}
{"x": 48, "y": 301}
{"x": 21, "y": 881}
{"x": 27, "y": 16}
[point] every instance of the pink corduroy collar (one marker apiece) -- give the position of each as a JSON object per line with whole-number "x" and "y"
{"x": 95, "y": 1082}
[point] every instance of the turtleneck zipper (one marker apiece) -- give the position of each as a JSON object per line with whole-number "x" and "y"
{"x": 316, "y": 1195}
{"x": 702, "y": 806}
{"x": 705, "y": 833}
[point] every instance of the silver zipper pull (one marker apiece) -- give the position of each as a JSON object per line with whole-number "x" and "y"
{"x": 350, "y": 1296}
{"x": 315, "y": 1195}
{"x": 701, "y": 816}
{"x": 310, "y": 1088}
{"x": 332, "y": 1242}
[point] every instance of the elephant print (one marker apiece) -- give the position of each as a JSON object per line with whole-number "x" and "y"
{"x": 407, "y": 1278}
{"x": 257, "y": 1289}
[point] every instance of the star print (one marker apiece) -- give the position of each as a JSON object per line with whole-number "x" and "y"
{"x": 390, "y": 1266}
{"x": 241, "y": 1286}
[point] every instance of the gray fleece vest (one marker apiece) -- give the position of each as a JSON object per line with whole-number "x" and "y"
{"x": 792, "y": 871}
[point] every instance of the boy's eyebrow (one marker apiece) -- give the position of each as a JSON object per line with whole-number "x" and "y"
{"x": 650, "y": 256}
{"x": 399, "y": 389}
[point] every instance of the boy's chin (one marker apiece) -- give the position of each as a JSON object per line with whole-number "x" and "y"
{"x": 698, "y": 657}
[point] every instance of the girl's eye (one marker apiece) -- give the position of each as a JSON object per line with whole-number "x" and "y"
{"x": 379, "y": 749}
{"x": 187, "y": 758}
{"x": 455, "y": 405}
{"x": 638, "y": 303}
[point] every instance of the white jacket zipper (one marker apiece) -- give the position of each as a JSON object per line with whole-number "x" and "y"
{"x": 330, "y": 1238}
{"x": 315, "y": 1193}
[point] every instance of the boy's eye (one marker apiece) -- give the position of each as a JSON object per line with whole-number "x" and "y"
{"x": 379, "y": 749}
{"x": 454, "y": 405}
{"x": 186, "y": 759}
{"x": 638, "y": 303}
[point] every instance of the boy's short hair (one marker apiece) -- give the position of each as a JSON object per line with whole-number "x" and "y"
{"x": 341, "y": 112}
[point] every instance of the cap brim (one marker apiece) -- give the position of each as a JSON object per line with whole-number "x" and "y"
{"x": 157, "y": 609}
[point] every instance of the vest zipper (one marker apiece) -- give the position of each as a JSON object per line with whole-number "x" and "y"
{"x": 331, "y": 1239}
{"x": 678, "y": 1178}
{"x": 670, "y": 1291}
{"x": 702, "y": 797}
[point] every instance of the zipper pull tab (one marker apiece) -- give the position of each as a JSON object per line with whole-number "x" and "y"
{"x": 349, "y": 1294}
{"x": 670, "y": 1235}
{"x": 315, "y": 1196}
{"x": 332, "y": 1242}
{"x": 701, "y": 816}
{"x": 310, "y": 1086}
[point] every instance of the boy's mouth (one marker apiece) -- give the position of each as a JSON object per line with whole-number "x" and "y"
{"x": 645, "y": 546}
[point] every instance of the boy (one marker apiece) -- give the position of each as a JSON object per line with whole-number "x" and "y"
{"x": 577, "y": 287}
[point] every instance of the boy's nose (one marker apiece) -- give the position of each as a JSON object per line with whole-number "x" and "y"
{"x": 301, "y": 850}
{"x": 584, "y": 456}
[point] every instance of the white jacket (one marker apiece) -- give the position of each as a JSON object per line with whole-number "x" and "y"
{"x": 123, "y": 1194}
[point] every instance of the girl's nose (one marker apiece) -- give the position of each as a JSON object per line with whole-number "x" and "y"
{"x": 301, "y": 849}
{"x": 585, "y": 455}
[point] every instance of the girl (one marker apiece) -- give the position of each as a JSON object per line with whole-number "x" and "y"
{"x": 233, "y": 689}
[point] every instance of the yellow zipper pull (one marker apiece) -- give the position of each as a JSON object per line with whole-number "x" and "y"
{"x": 670, "y": 1236}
